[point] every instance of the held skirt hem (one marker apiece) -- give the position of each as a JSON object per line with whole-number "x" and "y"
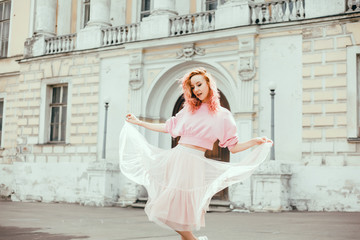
{"x": 180, "y": 182}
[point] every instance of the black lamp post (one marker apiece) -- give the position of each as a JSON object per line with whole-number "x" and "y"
{"x": 272, "y": 87}
{"x": 106, "y": 101}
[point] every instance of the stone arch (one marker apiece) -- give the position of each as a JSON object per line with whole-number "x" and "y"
{"x": 162, "y": 95}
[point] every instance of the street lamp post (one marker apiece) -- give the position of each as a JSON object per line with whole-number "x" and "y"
{"x": 106, "y": 100}
{"x": 272, "y": 87}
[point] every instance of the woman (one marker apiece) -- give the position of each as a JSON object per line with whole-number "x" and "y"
{"x": 180, "y": 182}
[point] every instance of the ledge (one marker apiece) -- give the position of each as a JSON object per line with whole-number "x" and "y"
{"x": 353, "y": 139}
{"x": 52, "y": 144}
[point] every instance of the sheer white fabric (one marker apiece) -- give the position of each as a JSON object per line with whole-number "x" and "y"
{"x": 180, "y": 182}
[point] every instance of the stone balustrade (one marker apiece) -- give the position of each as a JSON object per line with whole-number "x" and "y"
{"x": 353, "y": 5}
{"x": 277, "y": 11}
{"x": 120, "y": 34}
{"x": 272, "y": 11}
{"x": 60, "y": 44}
{"x": 192, "y": 23}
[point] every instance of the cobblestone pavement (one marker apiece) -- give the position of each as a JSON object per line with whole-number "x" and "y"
{"x": 40, "y": 221}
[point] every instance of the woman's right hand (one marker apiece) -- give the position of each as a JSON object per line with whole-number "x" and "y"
{"x": 132, "y": 119}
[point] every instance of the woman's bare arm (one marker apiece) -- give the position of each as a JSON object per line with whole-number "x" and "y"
{"x": 239, "y": 147}
{"x": 158, "y": 127}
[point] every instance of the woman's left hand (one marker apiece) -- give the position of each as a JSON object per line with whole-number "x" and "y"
{"x": 261, "y": 140}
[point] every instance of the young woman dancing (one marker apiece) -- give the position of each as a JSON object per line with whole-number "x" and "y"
{"x": 181, "y": 182}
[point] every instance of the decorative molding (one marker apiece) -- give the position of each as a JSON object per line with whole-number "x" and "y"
{"x": 247, "y": 69}
{"x": 136, "y": 78}
{"x": 189, "y": 50}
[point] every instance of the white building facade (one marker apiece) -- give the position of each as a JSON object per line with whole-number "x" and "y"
{"x": 59, "y": 68}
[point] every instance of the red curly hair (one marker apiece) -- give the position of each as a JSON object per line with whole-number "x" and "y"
{"x": 192, "y": 103}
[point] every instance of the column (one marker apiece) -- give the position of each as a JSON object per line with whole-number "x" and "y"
{"x": 162, "y": 7}
{"x": 45, "y": 17}
{"x": 99, "y": 13}
{"x": 64, "y": 17}
{"x": 157, "y": 24}
{"x": 91, "y": 36}
{"x": 44, "y": 27}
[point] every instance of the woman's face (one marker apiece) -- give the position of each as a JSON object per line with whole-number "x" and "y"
{"x": 200, "y": 87}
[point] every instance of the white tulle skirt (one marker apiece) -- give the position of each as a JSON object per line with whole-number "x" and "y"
{"x": 180, "y": 182}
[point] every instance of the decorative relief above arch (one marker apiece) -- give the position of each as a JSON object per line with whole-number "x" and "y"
{"x": 189, "y": 50}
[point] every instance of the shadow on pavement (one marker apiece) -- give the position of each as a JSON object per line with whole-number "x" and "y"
{"x": 16, "y": 233}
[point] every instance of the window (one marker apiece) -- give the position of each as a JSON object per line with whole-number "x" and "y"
{"x": 86, "y": 12}
{"x": 58, "y": 110}
{"x": 353, "y": 93}
{"x": 145, "y": 8}
{"x": 1, "y": 118}
{"x": 54, "y": 126}
{"x": 358, "y": 93}
{"x": 211, "y": 5}
{"x": 4, "y": 27}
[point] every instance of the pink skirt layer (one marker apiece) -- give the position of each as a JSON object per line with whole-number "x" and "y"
{"x": 180, "y": 182}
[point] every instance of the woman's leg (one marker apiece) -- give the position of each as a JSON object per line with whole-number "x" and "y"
{"x": 185, "y": 235}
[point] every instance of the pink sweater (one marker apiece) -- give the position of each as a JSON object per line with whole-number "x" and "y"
{"x": 203, "y": 128}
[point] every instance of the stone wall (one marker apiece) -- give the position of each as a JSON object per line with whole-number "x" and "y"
{"x": 42, "y": 171}
{"x": 325, "y": 95}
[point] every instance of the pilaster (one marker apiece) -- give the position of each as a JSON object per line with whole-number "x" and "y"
{"x": 246, "y": 72}
{"x": 245, "y": 86}
{"x": 131, "y": 191}
{"x": 136, "y": 82}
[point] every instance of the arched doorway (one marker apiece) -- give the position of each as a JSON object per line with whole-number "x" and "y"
{"x": 218, "y": 153}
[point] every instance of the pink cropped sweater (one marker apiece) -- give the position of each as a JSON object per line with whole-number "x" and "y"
{"x": 202, "y": 128}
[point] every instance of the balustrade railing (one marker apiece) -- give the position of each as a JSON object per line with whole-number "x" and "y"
{"x": 59, "y": 44}
{"x": 353, "y": 5}
{"x": 277, "y": 11}
{"x": 120, "y": 34}
{"x": 271, "y": 11}
{"x": 192, "y": 23}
